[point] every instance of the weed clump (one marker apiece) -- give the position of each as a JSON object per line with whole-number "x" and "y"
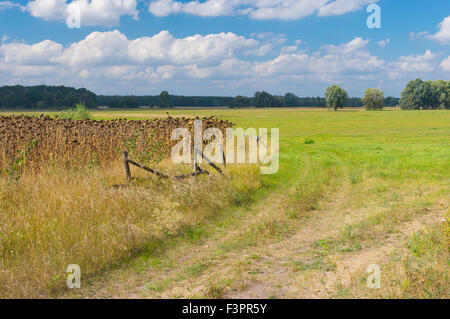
{"x": 79, "y": 112}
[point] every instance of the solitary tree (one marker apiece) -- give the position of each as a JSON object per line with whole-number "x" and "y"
{"x": 373, "y": 99}
{"x": 336, "y": 97}
{"x": 164, "y": 100}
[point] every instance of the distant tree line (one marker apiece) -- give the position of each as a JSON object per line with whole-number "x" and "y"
{"x": 161, "y": 100}
{"x": 42, "y": 97}
{"x": 264, "y": 99}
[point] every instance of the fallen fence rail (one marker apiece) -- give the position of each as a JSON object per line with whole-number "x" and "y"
{"x": 197, "y": 170}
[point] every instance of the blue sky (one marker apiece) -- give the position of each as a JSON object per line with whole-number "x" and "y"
{"x": 219, "y": 47}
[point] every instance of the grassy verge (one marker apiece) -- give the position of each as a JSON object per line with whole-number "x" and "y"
{"x": 421, "y": 270}
{"x": 418, "y": 270}
{"x": 426, "y": 266}
{"x": 63, "y": 217}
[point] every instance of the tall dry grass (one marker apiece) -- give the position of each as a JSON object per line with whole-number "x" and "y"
{"x": 422, "y": 271}
{"x": 78, "y": 216}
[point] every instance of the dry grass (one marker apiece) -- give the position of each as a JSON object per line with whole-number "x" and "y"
{"x": 422, "y": 271}
{"x": 427, "y": 267}
{"x": 61, "y": 217}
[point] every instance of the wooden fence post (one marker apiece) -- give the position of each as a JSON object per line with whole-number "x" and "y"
{"x": 210, "y": 162}
{"x": 126, "y": 165}
{"x": 195, "y": 160}
{"x": 223, "y": 156}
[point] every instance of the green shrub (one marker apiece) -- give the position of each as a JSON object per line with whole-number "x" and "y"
{"x": 79, "y": 112}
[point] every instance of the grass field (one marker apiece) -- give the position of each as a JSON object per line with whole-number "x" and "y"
{"x": 355, "y": 188}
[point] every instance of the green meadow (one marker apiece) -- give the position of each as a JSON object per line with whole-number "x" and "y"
{"x": 398, "y": 145}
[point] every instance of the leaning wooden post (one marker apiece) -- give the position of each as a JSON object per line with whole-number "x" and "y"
{"x": 126, "y": 165}
{"x": 223, "y": 156}
{"x": 195, "y": 160}
{"x": 210, "y": 162}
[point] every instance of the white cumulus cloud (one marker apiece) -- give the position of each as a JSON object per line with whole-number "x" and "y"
{"x": 421, "y": 63}
{"x": 4, "y": 5}
{"x": 445, "y": 64}
{"x": 222, "y": 63}
{"x": 339, "y": 7}
{"x": 384, "y": 43}
{"x": 163, "y": 8}
{"x": 258, "y": 9}
{"x": 443, "y": 35}
{"x": 92, "y": 13}
{"x": 23, "y": 54}
{"x": 114, "y": 48}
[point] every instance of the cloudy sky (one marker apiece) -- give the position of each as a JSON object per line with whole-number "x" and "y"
{"x": 223, "y": 47}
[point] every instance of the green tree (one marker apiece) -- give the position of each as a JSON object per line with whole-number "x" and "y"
{"x": 291, "y": 100}
{"x": 418, "y": 95}
{"x": 240, "y": 101}
{"x": 128, "y": 102}
{"x": 373, "y": 99}
{"x": 263, "y": 99}
{"x": 409, "y": 99}
{"x": 441, "y": 94}
{"x": 444, "y": 99}
{"x": 391, "y": 101}
{"x": 336, "y": 97}
{"x": 164, "y": 100}
{"x": 429, "y": 100}
{"x": 278, "y": 101}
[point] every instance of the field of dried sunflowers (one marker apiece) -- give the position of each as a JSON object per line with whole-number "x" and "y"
{"x": 44, "y": 140}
